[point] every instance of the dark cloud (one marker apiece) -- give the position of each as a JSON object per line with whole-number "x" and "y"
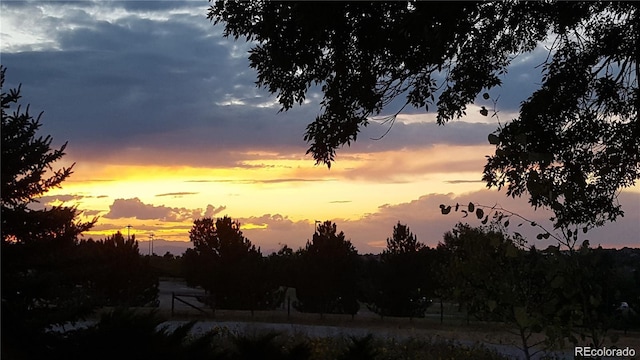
{"x": 155, "y": 82}
{"x": 47, "y": 199}
{"x": 177, "y": 194}
{"x": 91, "y": 212}
{"x": 459, "y": 181}
{"x": 135, "y": 208}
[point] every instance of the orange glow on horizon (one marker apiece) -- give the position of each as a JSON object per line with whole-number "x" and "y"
{"x": 357, "y": 186}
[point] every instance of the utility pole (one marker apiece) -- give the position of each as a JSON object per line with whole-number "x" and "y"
{"x": 129, "y": 232}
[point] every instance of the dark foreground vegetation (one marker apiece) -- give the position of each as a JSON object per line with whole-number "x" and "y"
{"x": 124, "y": 334}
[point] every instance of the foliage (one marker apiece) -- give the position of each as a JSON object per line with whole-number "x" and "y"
{"x": 327, "y": 273}
{"x": 575, "y": 142}
{"x": 167, "y": 265}
{"x": 498, "y": 280}
{"x": 368, "y": 347}
{"x": 268, "y": 345}
{"x": 584, "y": 286}
{"x": 116, "y": 273}
{"x": 126, "y": 334}
{"x": 360, "y": 348}
{"x": 41, "y": 280}
{"x": 227, "y": 265}
{"x": 497, "y": 216}
{"x": 403, "y": 241}
{"x": 403, "y": 282}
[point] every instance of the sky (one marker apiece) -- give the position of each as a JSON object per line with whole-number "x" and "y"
{"x": 165, "y": 125}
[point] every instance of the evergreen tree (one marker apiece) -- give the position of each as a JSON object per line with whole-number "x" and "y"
{"x": 403, "y": 283}
{"x": 328, "y": 271}
{"x": 41, "y": 282}
{"x": 227, "y": 265}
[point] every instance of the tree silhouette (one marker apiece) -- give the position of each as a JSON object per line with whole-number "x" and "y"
{"x": 403, "y": 283}
{"x": 403, "y": 241}
{"x": 327, "y": 281}
{"x": 117, "y": 274}
{"x": 226, "y": 264}
{"x": 576, "y": 141}
{"x": 496, "y": 278}
{"x": 41, "y": 280}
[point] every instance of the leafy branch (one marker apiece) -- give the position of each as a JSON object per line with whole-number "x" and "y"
{"x": 504, "y": 218}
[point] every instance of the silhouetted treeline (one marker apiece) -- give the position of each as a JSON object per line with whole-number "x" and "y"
{"x": 487, "y": 272}
{"x": 566, "y": 295}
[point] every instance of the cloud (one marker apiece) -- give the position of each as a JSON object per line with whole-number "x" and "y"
{"x": 212, "y": 211}
{"x": 271, "y": 231}
{"x": 48, "y": 199}
{"x": 460, "y": 181}
{"x": 369, "y": 232}
{"x": 135, "y": 208}
{"x": 91, "y": 213}
{"x": 408, "y": 164}
{"x": 177, "y": 194}
{"x": 424, "y": 218}
{"x": 158, "y": 85}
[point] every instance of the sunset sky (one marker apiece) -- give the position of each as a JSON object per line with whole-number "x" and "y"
{"x": 165, "y": 125}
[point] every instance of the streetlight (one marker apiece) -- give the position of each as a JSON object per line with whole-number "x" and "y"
{"x": 151, "y": 244}
{"x": 128, "y": 232}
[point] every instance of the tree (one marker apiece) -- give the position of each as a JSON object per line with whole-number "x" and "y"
{"x": 496, "y": 279}
{"x": 584, "y": 284}
{"x": 327, "y": 281}
{"x": 26, "y": 161}
{"x": 403, "y": 284}
{"x": 402, "y": 242}
{"x": 576, "y": 141}
{"x": 42, "y": 284}
{"x": 226, "y": 264}
{"x": 117, "y": 274}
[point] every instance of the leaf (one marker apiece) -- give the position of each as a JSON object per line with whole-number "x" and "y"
{"x": 533, "y": 223}
{"x": 445, "y": 210}
{"x": 457, "y": 206}
{"x": 471, "y": 207}
{"x": 484, "y": 111}
{"x": 486, "y": 218}
{"x": 506, "y": 223}
{"x": 479, "y": 213}
{"x": 494, "y": 139}
{"x": 466, "y": 213}
{"x": 486, "y": 96}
